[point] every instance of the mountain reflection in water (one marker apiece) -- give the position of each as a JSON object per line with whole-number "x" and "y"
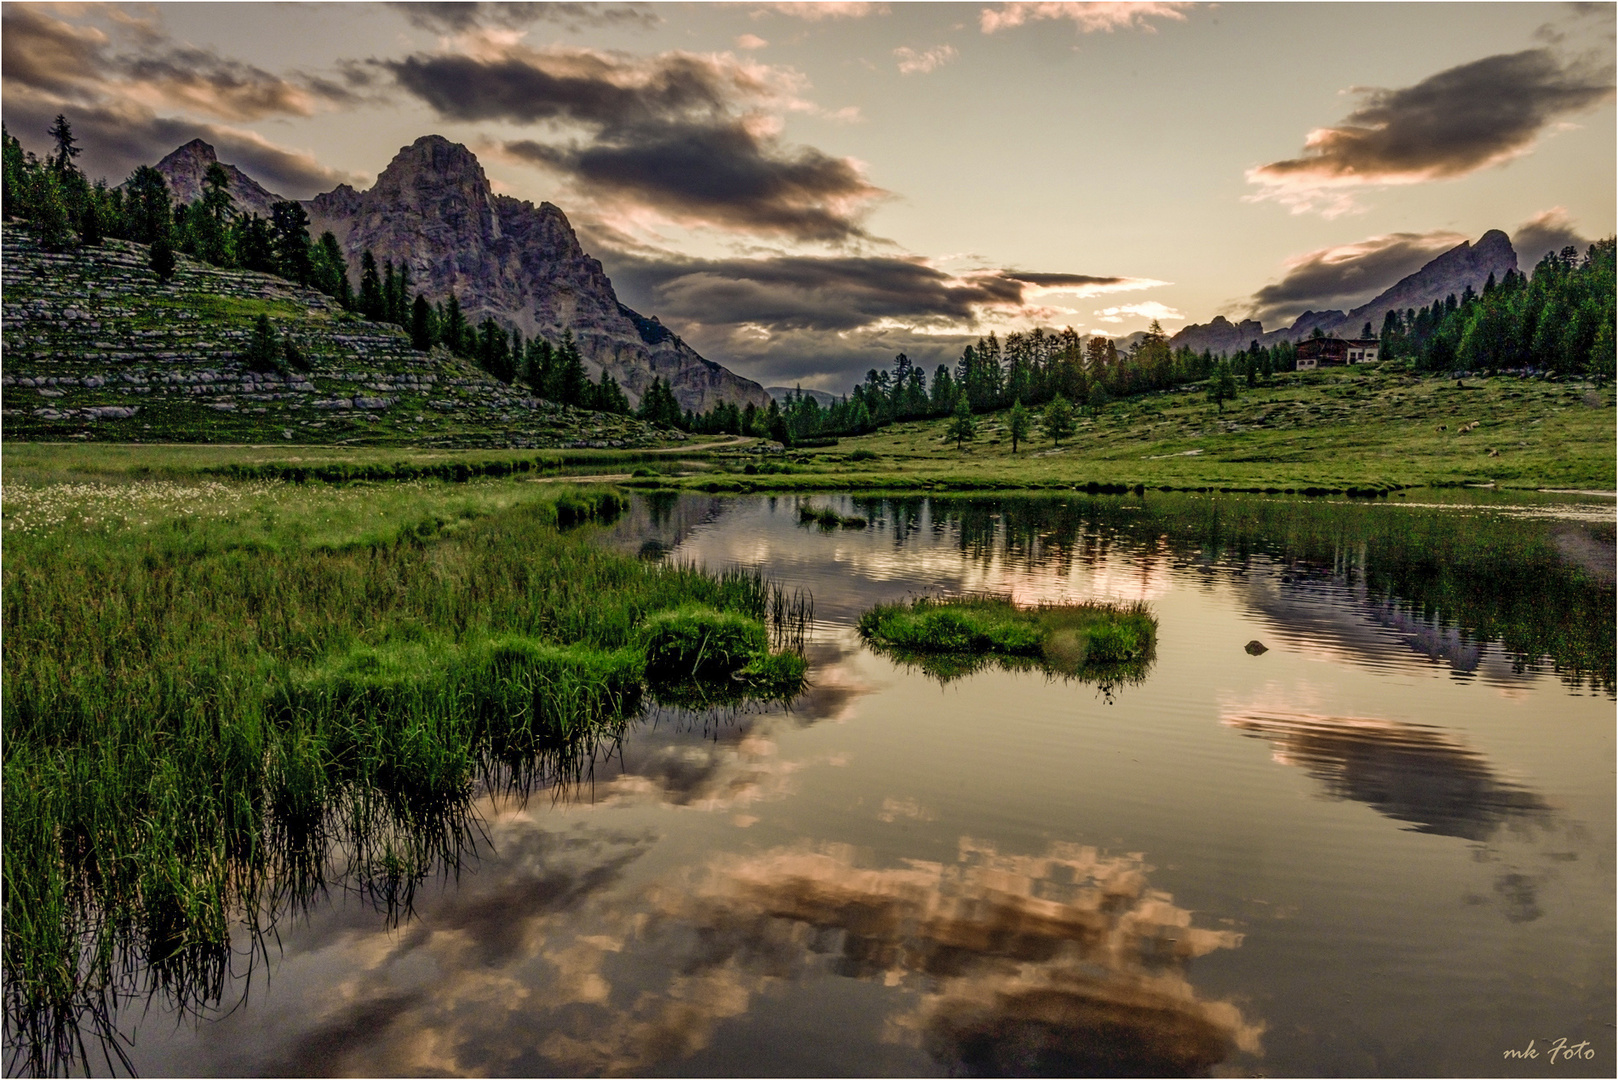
{"x": 1415, "y": 774}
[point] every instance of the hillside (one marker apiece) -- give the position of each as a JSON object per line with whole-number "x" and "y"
{"x": 97, "y": 348}
{"x": 432, "y": 209}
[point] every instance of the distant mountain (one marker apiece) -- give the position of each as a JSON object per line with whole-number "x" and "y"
{"x": 185, "y": 168}
{"x": 1466, "y": 264}
{"x": 432, "y": 209}
{"x": 780, "y": 393}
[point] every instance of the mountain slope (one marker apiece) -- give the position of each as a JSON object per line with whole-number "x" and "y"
{"x": 433, "y": 210}
{"x": 97, "y": 348}
{"x": 1464, "y": 265}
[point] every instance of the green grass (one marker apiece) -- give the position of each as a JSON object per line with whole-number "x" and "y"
{"x": 208, "y": 685}
{"x": 1360, "y": 429}
{"x": 948, "y": 638}
{"x": 828, "y": 519}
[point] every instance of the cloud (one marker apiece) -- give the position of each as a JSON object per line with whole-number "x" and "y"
{"x": 48, "y": 54}
{"x": 1086, "y": 17}
{"x": 816, "y": 12}
{"x": 751, "y": 41}
{"x": 461, "y": 18}
{"x": 1151, "y": 309}
{"x": 1547, "y": 231}
{"x": 1348, "y": 274}
{"x": 119, "y": 137}
{"x": 826, "y": 320}
{"x": 1448, "y": 125}
{"x": 717, "y": 175}
{"x": 691, "y": 139}
{"x": 912, "y": 62}
{"x": 79, "y": 65}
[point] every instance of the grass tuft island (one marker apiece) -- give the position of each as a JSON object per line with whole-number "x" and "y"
{"x": 952, "y": 637}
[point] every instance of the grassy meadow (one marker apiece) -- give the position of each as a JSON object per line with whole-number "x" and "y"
{"x": 209, "y": 684}
{"x": 1331, "y": 430}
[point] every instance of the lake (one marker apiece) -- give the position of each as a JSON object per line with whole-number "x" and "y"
{"x": 1356, "y": 819}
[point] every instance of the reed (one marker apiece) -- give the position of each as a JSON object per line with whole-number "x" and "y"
{"x": 197, "y": 709}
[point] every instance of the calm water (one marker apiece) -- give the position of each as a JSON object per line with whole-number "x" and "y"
{"x": 1381, "y": 847}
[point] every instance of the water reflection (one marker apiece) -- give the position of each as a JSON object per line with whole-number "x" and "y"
{"x": 1419, "y": 775}
{"x": 1067, "y": 963}
{"x": 1489, "y": 595}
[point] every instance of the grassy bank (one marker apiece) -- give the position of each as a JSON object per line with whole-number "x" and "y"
{"x": 1330, "y": 431}
{"x": 208, "y": 686}
{"x": 949, "y": 638}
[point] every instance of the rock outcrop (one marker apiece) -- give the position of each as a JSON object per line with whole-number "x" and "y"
{"x": 432, "y": 209}
{"x": 185, "y": 168}
{"x": 1465, "y": 265}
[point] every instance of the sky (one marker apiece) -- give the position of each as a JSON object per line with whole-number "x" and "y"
{"x": 802, "y": 190}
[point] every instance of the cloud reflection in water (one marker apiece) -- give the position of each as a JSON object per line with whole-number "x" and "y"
{"x": 1067, "y": 963}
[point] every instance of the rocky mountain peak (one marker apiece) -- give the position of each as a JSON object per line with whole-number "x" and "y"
{"x": 433, "y": 161}
{"x": 186, "y": 166}
{"x": 195, "y": 150}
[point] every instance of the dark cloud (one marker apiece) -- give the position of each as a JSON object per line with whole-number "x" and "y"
{"x": 229, "y": 89}
{"x": 1346, "y": 276}
{"x": 1059, "y": 282}
{"x": 1545, "y": 232}
{"x": 77, "y": 64}
{"x": 458, "y": 18}
{"x": 48, "y": 54}
{"x": 1450, "y": 124}
{"x": 720, "y": 175}
{"x": 808, "y": 293}
{"x": 678, "y": 133}
{"x": 117, "y": 140}
{"x": 828, "y": 320}
{"x": 577, "y": 85}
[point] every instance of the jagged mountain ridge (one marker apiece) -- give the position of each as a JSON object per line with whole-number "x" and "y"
{"x": 185, "y": 167}
{"x": 1464, "y": 265}
{"x": 432, "y": 209}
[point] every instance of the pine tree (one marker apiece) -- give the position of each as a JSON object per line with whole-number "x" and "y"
{"x": 372, "y": 304}
{"x": 162, "y": 259}
{"x": 290, "y": 224}
{"x": 454, "y": 323}
{"x": 1057, "y": 419}
{"x": 50, "y": 213}
{"x": 150, "y": 210}
{"x": 1018, "y": 422}
{"x": 264, "y": 347}
{"x": 569, "y": 377}
{"x": 963, "y": 428}
{"x": 421, "y": 325}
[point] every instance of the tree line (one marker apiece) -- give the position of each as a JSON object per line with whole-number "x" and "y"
{"x": 1559, "y": 321}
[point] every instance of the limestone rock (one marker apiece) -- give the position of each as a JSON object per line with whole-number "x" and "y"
{"x": 433, "y": 210}
{"x": 185, "y": 168}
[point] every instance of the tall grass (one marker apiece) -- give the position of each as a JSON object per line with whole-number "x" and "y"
{"x": 197, "y": 713}
{"x": 952, "y": 637}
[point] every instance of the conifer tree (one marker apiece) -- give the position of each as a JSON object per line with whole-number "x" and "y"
{"x": 1057, "y": 419}
{"x": 161, "y": 257}
{"x": 1018, "y": 423}
{"x": 963, "y": 428}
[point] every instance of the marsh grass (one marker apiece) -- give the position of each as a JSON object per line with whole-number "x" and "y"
{"x": 828, "y": 519}
{"x": 202, "y": 706}
{"x": 953, "y": 637}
